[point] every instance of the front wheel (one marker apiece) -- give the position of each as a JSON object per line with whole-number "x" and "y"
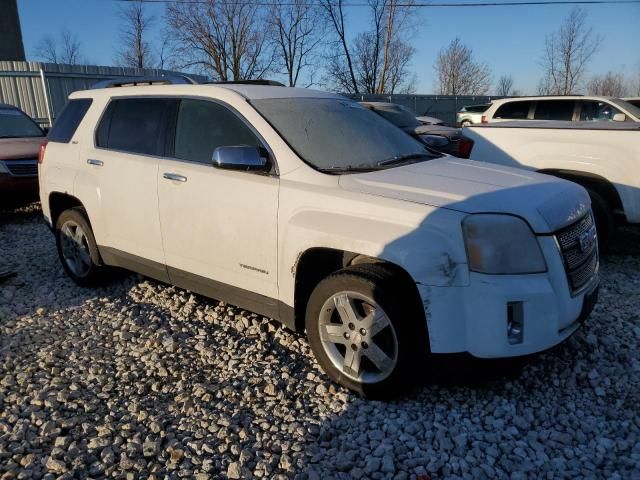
{"x": 366, "y": 329}
{"x": 77, "y": 247}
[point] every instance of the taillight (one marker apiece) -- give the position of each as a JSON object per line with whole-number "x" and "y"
{"x": 465, "y": 145}
{"x": 43, "y": 147}
{"x": 484, "y": 119}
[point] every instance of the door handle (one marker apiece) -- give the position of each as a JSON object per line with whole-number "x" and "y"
{"x": 175, "y": 177}
{"x": 93, "y": 161}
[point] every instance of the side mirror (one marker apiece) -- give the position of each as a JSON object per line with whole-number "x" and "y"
{"x": 240, "y": 158}
{"x": 619, "y": 117}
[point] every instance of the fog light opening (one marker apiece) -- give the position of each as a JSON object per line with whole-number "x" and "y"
{"x": 515, "y": 322}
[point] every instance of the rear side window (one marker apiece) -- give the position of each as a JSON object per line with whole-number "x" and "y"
{"x": 67, "y": 123}
{"x": 134, "y": 125}
{"x": 554, "y": 110}
{"x": 513, "y": 110}
{"x": 203, "y": 126}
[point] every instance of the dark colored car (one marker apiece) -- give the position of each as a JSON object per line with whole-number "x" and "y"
{"x": 439, "y": 137}
{"x": 20, "y": 139}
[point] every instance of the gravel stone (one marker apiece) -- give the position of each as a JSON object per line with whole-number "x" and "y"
{"x": 138, "y": 379}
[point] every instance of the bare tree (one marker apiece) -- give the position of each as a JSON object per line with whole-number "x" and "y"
{"x": 567, "y": 53}
{"x": 609, "y": 85}
{"x": 378, "y": 59}
{"x": 135, "y": 50}
{"x": 458, "y": 73}
{"x": 504, "y": 87}
{"x": 340, "y": 68}
{"x": 297, "y": 28}
{"x": 228, "y": 40}
{"x": 65, "y": 48}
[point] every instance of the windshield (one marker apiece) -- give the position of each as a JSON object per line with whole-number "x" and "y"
{"x": 398, "y": 115}
{"x": 336, "y": 134}
{"x": 15, "y": 124}
{"x": 632, "y": 109}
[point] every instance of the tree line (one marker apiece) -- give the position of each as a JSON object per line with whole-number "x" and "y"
{"x": 312, "y": 44}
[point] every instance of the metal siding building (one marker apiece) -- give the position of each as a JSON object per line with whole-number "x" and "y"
{"x": 41, "y": 89}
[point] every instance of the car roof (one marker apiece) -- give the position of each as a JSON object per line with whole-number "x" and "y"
{"x": 551, "y": 97}
{"x": 250, "y": 92}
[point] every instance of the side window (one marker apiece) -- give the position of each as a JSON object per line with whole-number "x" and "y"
{"x": 203, "y": 126}
{"x": 594, "y": 111}
{"x": 67, "y": 123}
{"x": 513, "y": 110}
{"x": 554, "y": 110}
{"x": 133, "y": 125}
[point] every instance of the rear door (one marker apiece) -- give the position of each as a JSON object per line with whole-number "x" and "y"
{"x": 122, "y": 169}
{"x": 219, "y": 227}
{"x": 560, "y": 110}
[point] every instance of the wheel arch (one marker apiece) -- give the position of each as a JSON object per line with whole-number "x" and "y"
{"x": 316, "y": 263}
{"x": 59, "y": 202}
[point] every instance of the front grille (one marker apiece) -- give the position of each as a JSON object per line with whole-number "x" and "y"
{"x": 579, "y": 246}
{"x": 22, "y": 168}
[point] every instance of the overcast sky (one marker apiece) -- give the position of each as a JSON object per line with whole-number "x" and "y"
{"x": 509, "y": 39}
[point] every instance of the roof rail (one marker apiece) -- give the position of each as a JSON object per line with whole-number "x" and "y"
{"x": 271, "y": 83}
{"x": 143, "y": 80}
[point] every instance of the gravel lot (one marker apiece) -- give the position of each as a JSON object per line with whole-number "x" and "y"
{"x": 139, "y": 380}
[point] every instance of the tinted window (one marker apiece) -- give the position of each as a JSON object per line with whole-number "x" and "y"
{"x": 476, "y": 108}
{"x": 203, "y": 126}
{"x": 398, "y": 115}
{"x": 513, "y": 110}
{"x": 554, "y": 110}
{"x": 15, "y": 124}
{"x": 592, "y": 111}
{"x": 133, "y": 125}
{"x": 67, "y": 123}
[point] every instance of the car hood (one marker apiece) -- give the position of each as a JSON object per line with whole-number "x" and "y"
{"x": 546, "y": 202}
{"x": 18, "y": 148}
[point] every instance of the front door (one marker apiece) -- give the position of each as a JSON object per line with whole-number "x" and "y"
{"x": 219, "y": 227}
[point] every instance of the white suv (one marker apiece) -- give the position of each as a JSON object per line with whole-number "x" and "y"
{"x": 307, "y": 207}
{"x": 576, "y": 108}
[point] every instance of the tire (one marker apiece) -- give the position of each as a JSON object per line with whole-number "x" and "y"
{"x": 77, "y": 247}
{"x": 465, "y": 123}
{"x": 603, "y": 215}
{"x": 373, "y": 355}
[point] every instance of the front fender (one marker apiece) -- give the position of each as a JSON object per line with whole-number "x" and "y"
{"x": 428, "y": 246}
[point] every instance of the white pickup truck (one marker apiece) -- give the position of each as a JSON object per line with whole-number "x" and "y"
{"x": 603, "y": 157}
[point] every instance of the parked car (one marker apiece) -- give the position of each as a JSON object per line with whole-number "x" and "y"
{"x": 439, "y": 137}
{"x": 309, "y": 208}
{"x": 20, "y": 139}
{"x": 471, "y": 114}
{"x": 562, "y": 108}
{"x": 635, "y": 101}
{"x": 603, "y": 157}
{"x": 426, "y": 120}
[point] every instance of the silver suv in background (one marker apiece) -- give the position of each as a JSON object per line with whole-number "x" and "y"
{"x": 471, "y": 114}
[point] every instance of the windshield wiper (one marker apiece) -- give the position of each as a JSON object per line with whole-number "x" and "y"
{"x": 347, "y": 168}
{"x": 404, "y": 158}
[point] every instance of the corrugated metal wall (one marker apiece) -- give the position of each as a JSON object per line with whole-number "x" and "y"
{"x": 22, "y": 84}
{"x": 443, "y": 107}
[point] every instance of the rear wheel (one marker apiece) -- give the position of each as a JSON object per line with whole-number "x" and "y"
{"x": 366, "y": 329}
{"x": 603, "y": 216}
{"x": 77, "y": 247}
{"x": 465, "y": 123}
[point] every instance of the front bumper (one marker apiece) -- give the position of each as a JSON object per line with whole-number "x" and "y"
{"x": 474, "y": 318}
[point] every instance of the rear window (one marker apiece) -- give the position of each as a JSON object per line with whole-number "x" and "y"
{"x": 513, "y": 110}
{"x": 133, "y": 125}
{"x": 554, "y": 110}
{"x": 15, "y": 124}
{"x": 67, "y": 123}
{"x": 476, "y": 108}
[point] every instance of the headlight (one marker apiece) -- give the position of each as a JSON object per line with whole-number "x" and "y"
{"x": 501, "y": 244}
